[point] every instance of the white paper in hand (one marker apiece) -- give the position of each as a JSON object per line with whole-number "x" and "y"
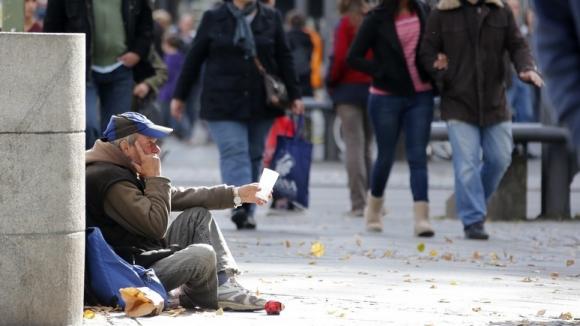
{"x": 267, "y": 182}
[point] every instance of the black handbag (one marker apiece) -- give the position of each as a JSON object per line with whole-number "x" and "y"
{"x": 276, "y": 92}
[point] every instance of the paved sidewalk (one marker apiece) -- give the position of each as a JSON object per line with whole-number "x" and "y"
{"x": 528, "y": 273}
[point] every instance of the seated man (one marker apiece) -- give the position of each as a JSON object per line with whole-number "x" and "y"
{"x": 130, "y": 201}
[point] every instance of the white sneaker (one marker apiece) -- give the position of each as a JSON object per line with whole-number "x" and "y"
{"x": 233, "y": 296}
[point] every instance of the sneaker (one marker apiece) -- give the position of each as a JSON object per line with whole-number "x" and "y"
{"x": 476, "y": 231}
{"x": 233, "y": 296}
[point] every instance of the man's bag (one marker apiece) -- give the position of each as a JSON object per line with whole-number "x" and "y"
{"x": 108, "y": 273}
{"x": 292, "y": 161}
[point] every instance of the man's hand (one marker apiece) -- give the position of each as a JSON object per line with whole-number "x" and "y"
{"x": 141, "y": 90}
{"x": 530, "y": 76}
{"x": 248, "y": 194}
{"x": 150, "y": 165}
{"x": 442, "y": 62}
{"x": 130, "y": 59}
{"x": 297, "y": 107}
{"x": 177, "y": 107}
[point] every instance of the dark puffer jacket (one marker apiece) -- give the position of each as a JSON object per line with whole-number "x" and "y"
{"x": 475, "y": 40}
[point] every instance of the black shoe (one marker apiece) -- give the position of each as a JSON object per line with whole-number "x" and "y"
{"x": 242, "y": 220}
{"x": 476, "y": 231}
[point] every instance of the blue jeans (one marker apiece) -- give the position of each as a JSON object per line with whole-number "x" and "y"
{"x": 389, "y": 116}
{"x": 241, "y": 146}
{"x": 519, "y": 97}
{"x": 114, "y": 92}
{"x": 481, "y": 155}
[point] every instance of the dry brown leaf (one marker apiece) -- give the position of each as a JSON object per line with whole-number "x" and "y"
{"x": 443, "y": 301}
{"x": 387, "y": 253}
{"x": 433, "y": 286}
{"x": 407, "y": 281}
{"x": 541, "y": 312}
{"x": 433, "y": 253}
{"x": 313, "y": 262}
{"x": 554, "y": 275}
{"x": 566, "y": 316}
{"x": 447, "y": 240}
{"x": 527, "y": 279}
{"x": 346, "y": 257}
{"x": 176, "y": 312}
{"x": 287, "y": 244}
{"x": 570, "y": 262}
{"x": 88, "y": 314}
{"x": 476, "y": 309}
{"x": 494, "y": 256}
{"x": 447, "y": 256}
{"x": 476, "y": 255}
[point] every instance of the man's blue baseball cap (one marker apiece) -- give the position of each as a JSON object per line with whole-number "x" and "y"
{"x": 125, "y": 124}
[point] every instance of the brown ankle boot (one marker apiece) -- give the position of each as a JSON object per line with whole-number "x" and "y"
{"x": 373, "y": 213}
{"x": 422, "y": 226}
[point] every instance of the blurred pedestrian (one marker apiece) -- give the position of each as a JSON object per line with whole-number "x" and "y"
{"x": 519, "y": 93}
{"x": 301, "y": 48}
{"x": 558, "y": 47}
{"x": 463, "y": 49}
{"x": 31, "y": 24}
{"x": 147, "y": 88}
{"x": 349, "y": 90}
{"x": 119, "y": 35}
{"x": 230, "y": 39}
{"x": 401, "y": 98}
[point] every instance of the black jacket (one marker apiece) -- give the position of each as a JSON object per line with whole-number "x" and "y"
{"x": 75, "y": 16}
{"x": 233, "y": 89}
{"x": 475, "y": 40}
{"x": 388, "y": 67}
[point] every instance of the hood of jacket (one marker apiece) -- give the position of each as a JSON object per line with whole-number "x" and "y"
{"x": 454, "y": 4}
{"x": 108, "y": 153}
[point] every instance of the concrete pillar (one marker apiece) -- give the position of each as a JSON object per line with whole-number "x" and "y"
{"x": 42, "y": 183}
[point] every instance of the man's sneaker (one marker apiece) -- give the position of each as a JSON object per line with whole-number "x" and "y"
{"x": 233, "y": 296}
{"x": 476, "y": 231}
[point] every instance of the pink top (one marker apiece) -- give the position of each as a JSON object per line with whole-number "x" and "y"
{"x": 408, "y": 29}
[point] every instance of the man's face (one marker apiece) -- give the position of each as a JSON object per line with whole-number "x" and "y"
{"x": 148, "y": 144}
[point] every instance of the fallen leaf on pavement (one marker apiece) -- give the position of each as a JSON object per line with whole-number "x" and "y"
{"x": 387, "y": 253}
{"x": 554, "y": 275}
{"x": 527, "y": 279}
{"x": 301, "y": 244}
{"x": 566, "y": 316}
{"x": 88, "y": 314}
{"x": 447, "y": 256}
{"x": 570, "y": 262}
{"x": 433, "y": 253}
{"x": 476, "y": 309}
{"x": 358, "y": 241}
{"x": 287, "y": 243}
{"x": 448, "y": 240}
{"x": 313, "y": 262}
{"x": 443, "y": 301}
{"x": 541, "y": 312}
{"x": 421, "y": 247}
{"x": 176, "y": 312}
{"x": 346, "y": 257}
{"x": 317, "y": 249}
{"x": 433, "y": 286}
{"x": 453, "y": 283}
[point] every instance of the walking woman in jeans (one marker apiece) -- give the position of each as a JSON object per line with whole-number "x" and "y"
{"x": 233, "y": 98}
{"x": 350, "y": 92}
{"x": 401, "y": 99}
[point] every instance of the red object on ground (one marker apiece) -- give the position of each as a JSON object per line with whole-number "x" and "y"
{"x": 273, "y": 307}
